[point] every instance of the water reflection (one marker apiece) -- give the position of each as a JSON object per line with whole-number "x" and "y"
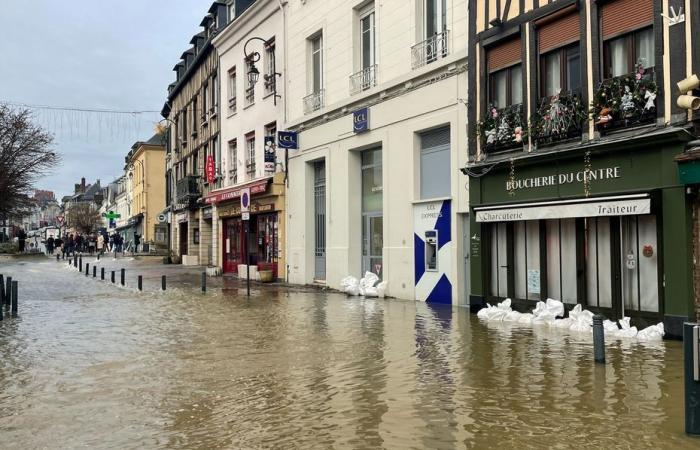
{"x": 91, "y": 365}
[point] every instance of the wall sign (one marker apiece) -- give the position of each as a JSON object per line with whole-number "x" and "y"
{"x": 210, "y": 169}
{"x": 606, "y": 173}
{"x": 360, "y": 120}
{"x": 270, "y": 154}
{"x": 288, "y": 139}
{"x": 564, "y": 211}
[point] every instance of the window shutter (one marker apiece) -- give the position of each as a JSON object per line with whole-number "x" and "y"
{"x": 620, "y": 16}
{"x": 504, "y": 55}
{"x": 559, "y": 32}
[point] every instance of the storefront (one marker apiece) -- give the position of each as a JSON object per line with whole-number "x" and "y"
{"x": 259, "y": 240}
{"x": 607, "y": 226}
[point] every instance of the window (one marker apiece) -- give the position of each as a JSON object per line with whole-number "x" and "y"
{"x": 506, "y": 87}
{"x": 270, "y": 67}
{"x": 560, "y": 70}
{"x": 249, "y": 88}
{"x": 194, "y": 116}
{"x": 250, "y": 155}
{"x": 317, "y": 64}
{"x": 270, "y": 147}
{"x": 195, "y": 163}
{"x": 435, "y": 164}
{"x": 183, "y": 126}
{"x": 214, "y": 94}
{"x": 233, "y": 161}
{"x": 232, "y": 90}
{"x": 367, "y": 40}
{"x": 231, "y": 10}
{"x": 561, "y": 260}
{"x": 435, "y": 17}
{"x": 622, "y": 54}
{"x": 205, "y": 107}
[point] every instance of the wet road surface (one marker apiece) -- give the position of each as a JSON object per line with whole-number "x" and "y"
{"x": 90, "y": 365}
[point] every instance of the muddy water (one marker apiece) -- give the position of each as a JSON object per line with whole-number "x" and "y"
{"x": 90, "y": 366}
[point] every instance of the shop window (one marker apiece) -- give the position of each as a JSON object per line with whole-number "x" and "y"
{"x": 561, "y": 260}
{"x": 622, "y": 54}
{"x": 527, "y": 260}
{"x": 640, "y": 290}
{"x": 435, "y": 164}
{"x": 195, "y": 236}
{"x": 598, "y": 259}
{"x": 499, "y": 260}
{"x": 267, "y": 238}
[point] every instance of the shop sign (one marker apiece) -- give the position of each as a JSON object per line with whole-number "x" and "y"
{"x": 207, "y": 213}
{"x": 288, "y": 139}
{"x": 210, "y": 169}
{"x": 563, "y": 211}
{"x": 360, "y": 120}
{"x": 270, "y": 154}
{"x": 229, "y": 194}
{"x": 254, "y": 208}
{"x": 606, "y": 173}
{"x": 245, "y": 215}
{"x": 181, "y": 217}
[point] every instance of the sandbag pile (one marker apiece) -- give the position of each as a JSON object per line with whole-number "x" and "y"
{"x": 366, "y": 287}
{"x": 580, "y": 320}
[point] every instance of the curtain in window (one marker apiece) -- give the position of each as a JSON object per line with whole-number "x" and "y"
{"x": 644, "y": 44}
{"x": 561, "y": 260}
{"x": 499, "y": 260}
{"x": 618, "y": 57}
{"x": 516, "y": 85}
{"x": 500, "y": 89}
{"x": 552, "y": 69}
{"x": 527, "y": 260}
{"x": 598, "y": 262}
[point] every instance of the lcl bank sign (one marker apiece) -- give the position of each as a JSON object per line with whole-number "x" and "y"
{"x": 360, "y": 120}
{"x": 288, "y": 139}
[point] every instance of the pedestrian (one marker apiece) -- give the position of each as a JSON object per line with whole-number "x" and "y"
{"x": 137, "y": 240}
{"x": 22, "y": 239}
{"x": 49, "y": 245}
{"x": 91, "y": 244}
{"x": 100, "y": 244}
{"x": 70, "y": 244}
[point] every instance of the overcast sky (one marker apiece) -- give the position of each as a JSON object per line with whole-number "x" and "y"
{"x": 104, "y": 54}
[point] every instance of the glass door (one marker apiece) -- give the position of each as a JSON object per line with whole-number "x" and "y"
{"x": 233, "y": 245}
{"x": 372, "y": 243}
{"x": 639, "y": 266}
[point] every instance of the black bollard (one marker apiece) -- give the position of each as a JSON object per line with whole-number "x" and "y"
{"x": 8, "y": 292}
{"x": 80, "y": 263}
{"x": 2, "y": 290}
{"x": 123, "y": 276}
{"x": 598, "y": 339}
{"x": 102, "y": 273}
{"x": 58, "y": 256}
{"x": 98, "y": 256}
{"x": 691, "y": 357}
{"x": 94, "y": 271}
{"x": 112, "y": 277}
{"x": 162, "y": 282}
{"x": 87, "y": 269}
{"x": 204, "y": 282}
{"x": 140, "y": 283}
{"x": 15, "y": 288}
{"x": 75, "y": 260}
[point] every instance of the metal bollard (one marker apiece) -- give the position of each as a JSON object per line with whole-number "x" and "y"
{"x": 80, "y": 264}
{"x": 8, "y": 292}
{"x": 162, "y": 282}
{"x": 87, "y": 269}
{"x": 598, "y": 339}
{"x": 102, "y": 273}
{"x": 94, "y": 271}
{"x": 75, "y": 260}
{"x": 15, "y": 288}
{"x": 204, "y": 282}
{"x": 123, "y": 276}
{"x": 2, "y": 289}
{"x": 112, "y": 277}
{"x": 140, "y": 283}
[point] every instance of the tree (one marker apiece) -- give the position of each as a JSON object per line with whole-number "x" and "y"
{"x": 84, "y": 217}
{"x": 25, "y": 156}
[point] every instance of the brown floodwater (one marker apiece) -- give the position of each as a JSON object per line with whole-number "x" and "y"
{"x": 88, "y": 365}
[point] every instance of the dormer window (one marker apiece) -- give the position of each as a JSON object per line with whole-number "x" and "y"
{"x": 231, "y": 10}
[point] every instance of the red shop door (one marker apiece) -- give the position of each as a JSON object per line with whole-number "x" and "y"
{"x": 234, "y": 248}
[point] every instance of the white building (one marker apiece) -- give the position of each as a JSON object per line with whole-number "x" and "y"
{"x": 376, "y": 91}
{"x": 250, "y": 116}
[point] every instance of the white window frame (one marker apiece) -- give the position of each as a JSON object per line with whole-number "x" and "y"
{"x": 318, "y": 37}
{"x": 232, "y": 89}
{"x": 369, "y": 11}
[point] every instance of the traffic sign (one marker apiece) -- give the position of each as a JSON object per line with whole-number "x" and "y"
{"x": 245, "y": 199}
{"x": 60, "y": 219}
{"x": 245, "y": 215}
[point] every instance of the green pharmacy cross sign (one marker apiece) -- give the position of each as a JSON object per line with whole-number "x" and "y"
{"x": 111, "y": 216}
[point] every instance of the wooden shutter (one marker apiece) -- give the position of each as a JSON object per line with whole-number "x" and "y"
{"x": 504, "y": 55}
{"x": 620, "y": 16}
{"x": 559, "y": 32}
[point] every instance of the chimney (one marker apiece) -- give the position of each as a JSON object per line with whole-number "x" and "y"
{"x": 82, "y": 183}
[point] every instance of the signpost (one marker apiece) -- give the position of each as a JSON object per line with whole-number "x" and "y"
{"x": 245, "y": 216}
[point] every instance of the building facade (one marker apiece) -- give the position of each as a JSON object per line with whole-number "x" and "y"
{"x": 251, "y": 114}
{"x": 376, "y": 93}
{"x": 574, "y": 126}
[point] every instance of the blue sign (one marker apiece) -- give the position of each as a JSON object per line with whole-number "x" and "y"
{"x": 288, "y": 139}
{"x": 360, "y": 120}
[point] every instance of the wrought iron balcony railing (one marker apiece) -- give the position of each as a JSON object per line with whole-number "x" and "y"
{"x": 558, "y": 118}
{"x": 430, "y": 50}
{"x": 502, "y": 129}
{"x": 313, "y": 102}
{"x": 363, "y": 80}
{"x": 188, "y": 189}
{"x": 625, "y": 101}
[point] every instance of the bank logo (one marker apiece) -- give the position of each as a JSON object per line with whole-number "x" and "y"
{"x": 288, "y": 139}
{"x": 360, "y": 120}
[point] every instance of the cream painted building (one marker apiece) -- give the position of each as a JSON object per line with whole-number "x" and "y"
{"x": 376, "y": 91}
{"x": 250, "y": 117}
{"x": 146, "y": 174}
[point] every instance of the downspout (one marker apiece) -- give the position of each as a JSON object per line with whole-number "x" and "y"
{"x": 286, "y": 151}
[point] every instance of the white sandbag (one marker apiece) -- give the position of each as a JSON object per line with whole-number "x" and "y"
{"x": 626, "y": 330}
{"x": 652, "y": 333}
{"x": 525, "y": 319}
{"x": 505, "y": 305}
{"x": 581, "y": 319}
{"x": 555, "y": 307}
{"x": 350, "y": 285}
{"x": 381, "y": 289}
{"x": 484, "y": 313}
{"x": 371, "y": 292}
{"x": 369, "y": 280}
{"x": 562, "y": 323}
{"x": 512, "y": 316}
{"x": 495, "y": 313}
{"x": 610, "y": 327}
{"x": 579, "y": 326}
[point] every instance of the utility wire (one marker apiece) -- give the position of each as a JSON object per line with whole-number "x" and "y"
{"x": 78, "y": 109}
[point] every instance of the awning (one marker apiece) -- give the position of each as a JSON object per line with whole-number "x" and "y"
{"x": 621, "y": 205}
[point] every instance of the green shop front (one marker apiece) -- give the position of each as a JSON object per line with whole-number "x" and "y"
{"x": 606, "y": 225}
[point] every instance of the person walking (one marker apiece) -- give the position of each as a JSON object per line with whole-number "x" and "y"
{"x": 49, "y": 245}
{"x": 70, "y": 244}
{"x": 137, "y": 241}
{"x": 100, "y": 243}
{"x": 22, "y": 239}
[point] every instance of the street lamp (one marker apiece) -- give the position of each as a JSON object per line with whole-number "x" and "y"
{"x": 254, "y": 73}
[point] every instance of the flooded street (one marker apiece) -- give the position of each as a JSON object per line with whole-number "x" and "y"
{"x": 90, "y": 365}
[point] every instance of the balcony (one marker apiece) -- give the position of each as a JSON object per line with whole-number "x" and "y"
{"x": 363, "y": 80}
{"x": 188, "y": 189}
{"x": 430, "y": 50}
{"x": 313, "y": 102}
{"x": 626, "y": 101}
{"x": 502, "y": 129}
{"x": 558, "y": 118}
